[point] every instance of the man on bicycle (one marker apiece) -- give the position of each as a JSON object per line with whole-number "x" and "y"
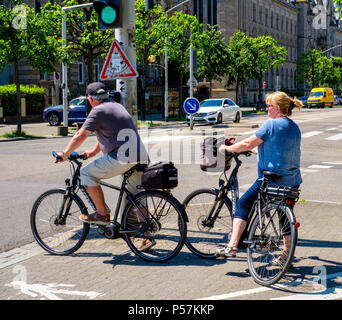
{"x": 119, "y": 142}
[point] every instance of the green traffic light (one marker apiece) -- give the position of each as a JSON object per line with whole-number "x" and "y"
{"x": 108, "y": 15}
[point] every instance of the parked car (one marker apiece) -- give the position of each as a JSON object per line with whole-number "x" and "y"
{"x": 337, "y": 99}
{"x": 77, "y": 112}
{"x": 304, "y": 100}
{"x": 216, "y": 111}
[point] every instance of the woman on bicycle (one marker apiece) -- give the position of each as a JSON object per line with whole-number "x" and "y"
{"x": 277, "y": 144}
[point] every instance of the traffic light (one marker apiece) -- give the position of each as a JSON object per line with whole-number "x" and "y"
{"x": 109, "y": 13}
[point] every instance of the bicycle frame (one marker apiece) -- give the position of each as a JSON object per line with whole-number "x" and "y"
{"x": 76, "y": 183}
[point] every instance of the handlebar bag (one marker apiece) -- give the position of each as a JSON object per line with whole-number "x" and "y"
{"x": 162, "y": 175}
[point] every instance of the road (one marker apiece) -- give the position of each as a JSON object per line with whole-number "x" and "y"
{"x": 28, "y": 170}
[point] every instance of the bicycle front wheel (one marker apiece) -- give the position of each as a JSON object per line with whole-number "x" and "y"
{"x": 55, "y": 222}
{"x": 204, "y": 233}
{"x": 162, "y": 228}
{"x": 271, "y": 244}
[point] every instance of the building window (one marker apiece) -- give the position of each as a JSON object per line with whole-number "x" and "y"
{"x": 214, "y": 12}
{"x": 81, "y": 72}
{"x": 260, "y": 14}
{"x": 200, "y": 11}
{"x": 266, "y": 17}
{"x": 209, "y": 6}
{"x": 277, "y": 22}
{"x": 96, "y": 72}
{"x": 272, "y": 20}
{"x": 254, "y": 12}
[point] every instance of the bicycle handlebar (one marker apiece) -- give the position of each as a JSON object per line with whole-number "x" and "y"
{"x": 237, "y": 154}
{"x": 73, "y": 157}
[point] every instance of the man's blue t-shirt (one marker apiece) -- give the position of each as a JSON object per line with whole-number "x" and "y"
{"x": 280, "y": 151}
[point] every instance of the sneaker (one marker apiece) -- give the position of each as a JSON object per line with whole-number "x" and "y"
{"x": 147, "y": 244}
{"x": 226, "y": 252}
{"x": 95, "y": 218}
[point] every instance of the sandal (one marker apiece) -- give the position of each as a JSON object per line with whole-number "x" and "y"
{"x": 226, "y": 252}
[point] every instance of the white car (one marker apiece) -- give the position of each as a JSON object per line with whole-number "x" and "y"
{"x": 216, "y": 111}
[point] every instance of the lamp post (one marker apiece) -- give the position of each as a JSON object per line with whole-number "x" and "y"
{"x": 64, "y": 129}
{"x": 166, "y": 67}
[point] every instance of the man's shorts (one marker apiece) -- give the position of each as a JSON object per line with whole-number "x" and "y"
{"x": 104, "y": 167}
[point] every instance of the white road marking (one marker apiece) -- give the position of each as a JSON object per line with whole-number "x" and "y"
{"x": 333, "y": 163}
{"x": 311, "y": 134}
{"x": 330, "y": 129}
{"x": 335, "y": 137}
{"x": 308, "y": 170}
{"x": 318, "y": 166}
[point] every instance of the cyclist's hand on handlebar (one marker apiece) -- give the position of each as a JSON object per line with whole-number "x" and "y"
{"x": 222, "y": 149}
{"x": 59, "y": 156}
{"x": 88, "y": 154}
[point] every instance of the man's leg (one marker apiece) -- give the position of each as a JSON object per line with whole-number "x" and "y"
{"x": 96, "y": 194}
{"x": 102, "y": 168}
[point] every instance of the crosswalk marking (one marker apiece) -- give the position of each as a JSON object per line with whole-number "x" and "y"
{"x": 330, "y": 129}
{"x": 318, "y": 166}
{"x": 311, "y": 134}
{"x": 335, "y": 137}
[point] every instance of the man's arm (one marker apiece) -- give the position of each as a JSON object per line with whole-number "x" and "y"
{"x": 80, "y": 136}
{"x": 93, "y": 152}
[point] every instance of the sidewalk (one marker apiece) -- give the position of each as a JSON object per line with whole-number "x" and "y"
{"x": 106, "y": 269}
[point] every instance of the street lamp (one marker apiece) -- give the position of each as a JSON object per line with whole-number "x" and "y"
{"x": 166, "y": 67}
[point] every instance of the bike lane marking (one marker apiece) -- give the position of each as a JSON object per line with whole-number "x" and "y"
{"x": 322, "y": 291}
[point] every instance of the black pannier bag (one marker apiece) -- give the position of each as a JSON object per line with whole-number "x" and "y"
{"x": 209, "y": 154}
{"x": 162, "y": 175}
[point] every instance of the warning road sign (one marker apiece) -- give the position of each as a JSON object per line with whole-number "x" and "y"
{"x": 117, "y": 65}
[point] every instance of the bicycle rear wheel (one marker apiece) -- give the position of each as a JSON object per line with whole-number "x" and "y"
{"x": 203, "y": 235}
{"x": 266, "y": 244}
{"x": 164, "y": 225}
{"x": 59, "y": 233}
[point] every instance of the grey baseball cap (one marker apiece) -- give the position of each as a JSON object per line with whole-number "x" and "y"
{"x": 97, "y": 90}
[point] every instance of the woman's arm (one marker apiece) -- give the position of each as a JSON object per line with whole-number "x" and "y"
{"x": 247, "y": 144}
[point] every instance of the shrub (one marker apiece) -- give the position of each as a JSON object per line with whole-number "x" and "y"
{"x": 34, "y": 99}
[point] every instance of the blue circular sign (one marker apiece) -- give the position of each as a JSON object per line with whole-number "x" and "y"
{"x": 191, "y": 105}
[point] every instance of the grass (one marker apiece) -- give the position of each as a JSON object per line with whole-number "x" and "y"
{"x": 148, "y": 124}
{"x": 21, "y": 134}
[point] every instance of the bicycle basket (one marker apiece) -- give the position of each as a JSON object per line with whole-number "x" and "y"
{"x": 211, "y": 160}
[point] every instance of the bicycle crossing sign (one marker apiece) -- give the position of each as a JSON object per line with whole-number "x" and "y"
{"x": 117, "y": 64}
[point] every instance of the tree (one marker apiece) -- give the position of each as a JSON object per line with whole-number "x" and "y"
{"x": 240, "y": 68}
{"x": 150, "y": 35}
{"x": 309, "y": 67}
{"x": 213, "y": 55}
{"x": 182, "y": 30}
{"x": 29, "y": 36}
{"x": 266, "y": 55}
{"x": 84, "y": 38}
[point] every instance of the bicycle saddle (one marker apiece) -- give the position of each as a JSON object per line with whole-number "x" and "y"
{"x": 272, "y": 176}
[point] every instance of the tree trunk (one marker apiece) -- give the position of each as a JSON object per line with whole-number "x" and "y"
{"x": 237, "y": 93}
{"x": 90, "y": 66}
{"x": 260, "y": 92}
{"x": 180, "y": 114}
{"x": 143, "y": 92}
{"x": 16, "y": 81}
{"x": 210, "y": 88}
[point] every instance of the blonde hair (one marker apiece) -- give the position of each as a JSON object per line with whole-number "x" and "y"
{"x": 285, "y": 103}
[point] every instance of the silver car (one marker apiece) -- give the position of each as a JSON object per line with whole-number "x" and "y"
{"x": 216, "y": 111}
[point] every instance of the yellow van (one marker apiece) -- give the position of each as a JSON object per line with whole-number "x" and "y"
{"x": 321, "y": 97}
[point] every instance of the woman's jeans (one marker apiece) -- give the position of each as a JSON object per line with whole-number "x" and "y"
{"x": 245, "y": 203}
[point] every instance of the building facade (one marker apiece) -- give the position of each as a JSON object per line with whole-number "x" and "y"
{"x": 296, "y": 25}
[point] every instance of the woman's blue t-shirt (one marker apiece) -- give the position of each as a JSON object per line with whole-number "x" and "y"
{"x": 280, "y": 151}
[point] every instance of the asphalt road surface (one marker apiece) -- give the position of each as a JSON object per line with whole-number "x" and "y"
{"x": 28, "y": 170}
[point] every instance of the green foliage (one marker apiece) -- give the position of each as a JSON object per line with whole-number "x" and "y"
{"x": 213, "y": 55}
{"x": 34, "y": 99}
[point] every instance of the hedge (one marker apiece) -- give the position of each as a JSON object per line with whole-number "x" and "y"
{"x": 34, "y": 99}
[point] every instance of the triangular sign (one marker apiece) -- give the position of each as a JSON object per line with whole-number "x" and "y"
{"x": 117, "y": 65}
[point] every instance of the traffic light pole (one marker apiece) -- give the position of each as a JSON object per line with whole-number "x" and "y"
{"x": 126, "y": 37}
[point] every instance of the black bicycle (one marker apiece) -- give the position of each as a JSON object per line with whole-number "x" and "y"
{"x": 271, "y": 221}
{"x": 151, "y": 214}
